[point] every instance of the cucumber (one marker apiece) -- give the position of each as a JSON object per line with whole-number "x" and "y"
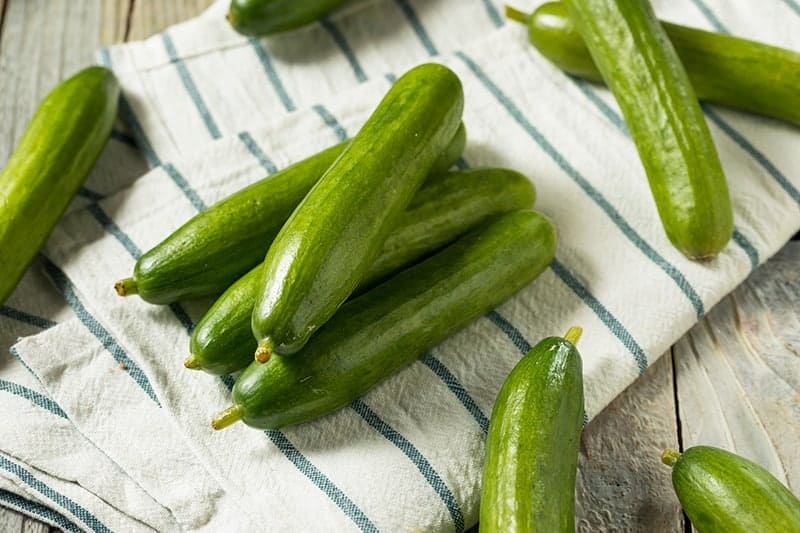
{"x": 55, "y": 154}
{"x": 265, "y": 17}
{"x": 532, "y": 445}
{"x": 721, "y": 491}
{"x": 335, "y": 234}
{"x": 641, "y": 68}
{"x": 446, "y": 206}
{"x": 723, "y": 69}
{"x": 218, "y": 246}
{"x": 374, "y": 335}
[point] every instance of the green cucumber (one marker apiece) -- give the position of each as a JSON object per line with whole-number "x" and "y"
{"x": 721, "y": 491}
{"x": 641, "y": 68}
{"x": 532, "y": 445}
{"x": 265, "y": 17}
{"x": 52, "y": 160}
{"x": 336, "y": 233}
{"x": 446, "y": 206}
{"x": 218, "y": 246}
{"x": 723, "y": 69}
{"x": 374, "y": 335}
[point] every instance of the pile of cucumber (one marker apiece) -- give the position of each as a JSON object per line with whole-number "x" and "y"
{"x": 345, "y": 267}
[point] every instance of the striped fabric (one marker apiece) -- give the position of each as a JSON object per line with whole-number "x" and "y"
{"x": 212, "y": 111}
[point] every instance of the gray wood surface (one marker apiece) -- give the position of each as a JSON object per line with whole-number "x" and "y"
{"x": 733, "y": 381}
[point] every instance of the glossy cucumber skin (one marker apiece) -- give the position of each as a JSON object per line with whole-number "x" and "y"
{"x": 377, "y": 333}
{"x": 50, "y": 163}
{"x": 721, "y": 491}
{"x": 723, "y": 69}
{"x": 446, "y": 206}
{"x": 640, "y": 66}
{"x": 265, "y": 17}
{"x": 216, "y": 247}
{"x": 335, "y": 234}
{"x": 532, "y": 444}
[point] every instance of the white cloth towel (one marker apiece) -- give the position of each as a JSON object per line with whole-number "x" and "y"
{"x": 212, "y": 112}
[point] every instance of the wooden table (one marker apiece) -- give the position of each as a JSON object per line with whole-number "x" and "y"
{"x": 732, "y": 381}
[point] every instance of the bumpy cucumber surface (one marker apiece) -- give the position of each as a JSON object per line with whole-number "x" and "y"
{"x": 218, "y": 246}
{"x": 376, "y": 334}
{"x": 265, "y": 17}
{"x": 640, "y": 66}
{"x": 532, "y": 445}
{"x": 446, "y": 206}
{"x": 55, "y": 154}
{"x": 336, "y": 233}
{"x": 721, "y": 491}
{"x": 723, "y": 69}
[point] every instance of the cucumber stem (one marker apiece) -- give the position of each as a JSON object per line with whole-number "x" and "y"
{"x": 191, "y": 362}
{"x": 264, "y": 350}
{"x": 574, "y": 333}
{"x": 227, "y": 417}
{"x": 517, "y": 15}
{"x": 126, "y": 287}
{"x": 669, "y": 457}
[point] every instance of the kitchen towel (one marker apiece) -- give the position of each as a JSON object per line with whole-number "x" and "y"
{"x": 213, "y": 111}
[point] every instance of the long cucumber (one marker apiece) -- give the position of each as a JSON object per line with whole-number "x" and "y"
{"x": 374, "y": 335}
{"x": 218, "y": 246}
{"x": 532, "y": 444}
{"x": 265, "y": 17}
{"x": 336, "y": 233}
{"x": 721, "y": 491}
{"x": 723, "y": 69}
{"x": 640, "y": 66}
{"x": 446, "y": 206}
{"x": 50, "y": 163}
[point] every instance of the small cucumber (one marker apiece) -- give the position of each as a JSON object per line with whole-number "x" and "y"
{"x": 218, "y": 246}
{"x": 446, "y": 206}
{"x": 265, "y": 17}
{"x": 55, "y": 154}
{"x": 721, "y": 491}
{"x": 723, "y": 69}
{"x": 532, "y": 445}
{"x": 335, "y": 234}
{"x": 640, "y": 66}
{"x": 374, "y": 335}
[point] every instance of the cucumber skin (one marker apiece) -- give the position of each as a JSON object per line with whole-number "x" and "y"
{"x": 328, "y": 244}
{"x": 721, "y": 491}
{"x": 725, "y": 70}
{"x": 446, "y": 206}
{"x": 216, "y": 247}
{"x": 532, "y": 444}
{"x": 378, "y": 333}
{"x": 640, "y": 66}
{"x": 50, "y": 163}
{"x": 266, "y": 17}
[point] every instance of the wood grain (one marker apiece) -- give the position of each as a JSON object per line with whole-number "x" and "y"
{"x": 114, "y": 15}
{"x": 622, "y": 485}
{"x": 151, "y": 16}
{"x": 14, "y": 522}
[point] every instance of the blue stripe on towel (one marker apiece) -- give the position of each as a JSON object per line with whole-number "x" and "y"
{"x": 413, "y": 21}
{"x": 419, "y": 460}
{"x": 32, "y": 396}
{"x": 189, "y": 85}
{"x": 272, "y": 74}
{"x": 340, "y": 40}
{"x": 56, "y": 497}
{"x": 265, "y": 162}
{"x": 37, "y": 510}
{"x": 27, "y": 318}
{"x": 456, "y": 388}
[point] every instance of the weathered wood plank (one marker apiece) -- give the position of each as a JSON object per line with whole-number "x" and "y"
{"x": 622, "y": 485}
{"x": 13, "y": 522}
{"x": 738, "y": 372}
{"x": 152, "y": 16}
{"x": 114, "y": 21}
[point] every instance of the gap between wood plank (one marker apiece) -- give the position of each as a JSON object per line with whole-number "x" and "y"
{"x": 3, "y": 7}
{"x": 128, "y": 20}
{"x": 687, "y": 525}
